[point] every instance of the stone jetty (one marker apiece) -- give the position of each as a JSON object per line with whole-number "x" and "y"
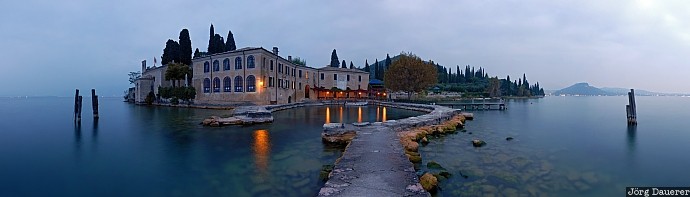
{"x": 374, "y": 162}
{"x": 248, "y": 115}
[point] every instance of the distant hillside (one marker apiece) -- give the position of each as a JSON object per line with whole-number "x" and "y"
{"x": 638, "y": 92}
{"x": 583, "y": 89}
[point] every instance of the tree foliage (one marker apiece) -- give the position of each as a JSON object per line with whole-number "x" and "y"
{"x": 171, "y": 52}
{"x": 174, "y": 93}
{"x": 410, "y": 74}
{"x": 343, "y": 65}
{"x": 185, "y": 47}
{"x": 149, "y": 98}
{"x": 177, "y": 72}
{"x": 299, "y": 61}
{"x": 133, "y": 76}
{"x": 230, "y": 43}
{"x": 334, "y": 59}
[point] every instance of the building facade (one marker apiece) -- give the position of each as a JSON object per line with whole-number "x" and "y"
{"x": 150, "y": 80}
{"x": 260, "y": 77}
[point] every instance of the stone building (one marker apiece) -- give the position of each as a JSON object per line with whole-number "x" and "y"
{"x": 257, "y": 76}
{"x": 151, "y": 78}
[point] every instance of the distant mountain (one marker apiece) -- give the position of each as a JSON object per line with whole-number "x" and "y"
{"x": 638, "y": 92}
{"x": 582, "y": 89}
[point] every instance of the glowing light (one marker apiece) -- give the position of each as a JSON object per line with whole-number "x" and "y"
{"x": 327, "y": 92}
{"x": 341, "y": 115}
{"x": 384, "y": 94}
{"x": 262, "y": 149}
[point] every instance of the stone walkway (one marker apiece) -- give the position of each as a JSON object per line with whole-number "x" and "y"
{"x": 374, "y": 164}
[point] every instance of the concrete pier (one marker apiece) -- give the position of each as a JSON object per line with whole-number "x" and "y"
{"x": 374, "y": 163}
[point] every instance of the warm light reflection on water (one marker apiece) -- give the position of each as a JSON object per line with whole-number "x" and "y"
{"x": 262, "y": 149}
{"x": 359, "y": 114}
{"x": 384, "y": 114}
{"x": 341, "y": 115}
{"x": 377, "y": 114}
{"x": 328, "y": 115}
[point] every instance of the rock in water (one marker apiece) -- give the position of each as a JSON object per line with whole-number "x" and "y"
{"x": 478, "y": 143}
{"x": 429, "y": 182}
{"x": 433, "y": 165}
{"x": 509, "y": 138}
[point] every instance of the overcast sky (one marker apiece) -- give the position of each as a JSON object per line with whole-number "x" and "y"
{"x": 52, "y": 47}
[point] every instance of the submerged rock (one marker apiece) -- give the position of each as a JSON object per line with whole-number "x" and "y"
{"x": 429, "y": 182}
{"x": 478, "y": 143}
{"x": 509, "y": 138}
{"x": 433, "y": 165}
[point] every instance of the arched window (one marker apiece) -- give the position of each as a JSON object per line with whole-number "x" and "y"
{"x": 226, "y": 64}
{"x": 238, "y": 63}
{"x": 216, "y": 84}
{"x": 251, "y": 81}
{"x": 250, "y": 61}
{"x": 216, "y": 66}
{"x": 207, "y": 67}
{"x": 226, "y": 84}
{"x": 238, "y": 84}
{"x": 207, "y": 85}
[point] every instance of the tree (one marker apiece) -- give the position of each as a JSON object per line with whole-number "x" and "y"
{"x": 197, "y": 53}
{"x": 366, "y": 66}
{"x": 133, "y": 76}
{"x": 494, "y": 88}
{"x": 211, "y": 41}
{"x": 219, "y": 43}
{"x": 149, "y": 98}
{"x": 171, "y": 52}
{"x": 343, "y": 65}
{"x": 298, "y": 61}
{"x": 185, "y": 47}
{"x": 410, "y": 74}
{"x": 230, "y": 43}
{"x": 177, "y": 72}
{"x": 334, "y": 59}
{"x": 387, "y": 64}
{"x": 352, "y": 66}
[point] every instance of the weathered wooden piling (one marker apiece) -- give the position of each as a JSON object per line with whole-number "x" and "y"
{"x": 76, "y": 104}
{"x": 94, "y": 103}
{"x": 631, "y": 108}
{"x": 79, "y": 104}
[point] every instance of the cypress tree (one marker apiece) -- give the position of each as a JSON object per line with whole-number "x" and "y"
{"x": 171, "y": 52}
{"x": 366, "y": 66}
{"x": 211, "y": 42}
{"x": 352, "y": 66}
{"x": 230, "y": 44}
{"x": 343, "y": 65}
{"x": 185, "y": 47}
{"x": 197, "y": 53}
{"x": 221, "y": 44}
{"x": 388, "y": 62}
{"x": 334, "y": 59}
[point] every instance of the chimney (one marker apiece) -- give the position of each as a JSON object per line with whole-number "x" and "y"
{"x": 143, "y": 66}
{"x": 289, "y": 58}
{"x": 275, "y": 50}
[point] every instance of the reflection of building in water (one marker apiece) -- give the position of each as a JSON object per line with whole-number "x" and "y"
{"x": 359, "y": 114}
{"x": 328, "y": 115}
{"x": 262, "y": 149}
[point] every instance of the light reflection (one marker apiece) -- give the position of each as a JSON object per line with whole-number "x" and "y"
{"x": 359, "y": 114}
{"x": 262, "y": 149}
{"x": 384, "y": 115}
{"x": 377, "y": 113}
{"x": 341, "y": 115}
{"x": 328, "y": 115}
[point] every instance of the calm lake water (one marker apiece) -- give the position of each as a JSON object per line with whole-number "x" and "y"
{"x": 159, "y": 151}
{"x": 567, "y": 146}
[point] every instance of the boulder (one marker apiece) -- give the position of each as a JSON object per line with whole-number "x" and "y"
{"x": 414, "y": 158}
{"x": 509, "y": 138}
{"x": 478, "y": 143}
{"x": 429, "y": 182}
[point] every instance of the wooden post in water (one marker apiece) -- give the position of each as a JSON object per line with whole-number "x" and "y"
{"x": 76, "y": 104}
{"x": 79, "y": 102}
{"x": 631, "y": 108}
{"x": 94, "y": 103}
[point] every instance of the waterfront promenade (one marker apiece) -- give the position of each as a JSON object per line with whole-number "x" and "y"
{"x": 374, "y": 163}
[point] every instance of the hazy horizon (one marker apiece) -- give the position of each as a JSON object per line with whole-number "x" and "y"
{"x": 52, "y": 48}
